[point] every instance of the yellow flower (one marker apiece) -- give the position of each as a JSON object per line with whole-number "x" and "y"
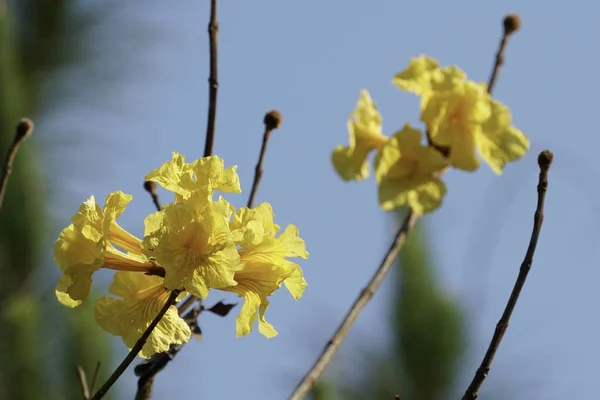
{"x": 191, "y": 240}
{"x": 95, "y": 240}
{"x": 142, "y": 298}
{"x": 205, "y": 175}
{"x": 500, "y": 142}
{"x": 265, "y": 265}
{"x": 461, "y": 116}
{"x": 364, "y": 127}
{"x": 406, "y": 173}
{"x": 417, "y": 76}
{"x": 455, "y": 118}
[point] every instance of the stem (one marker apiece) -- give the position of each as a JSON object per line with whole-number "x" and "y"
{"x": 258, "y": 171}
{"x": 213, "y": 83}
{"x": 137, "y": 347}
{"x": 332, "y": 346}
{"x": 23, "y": 130}
{"x": 544, "y": 161}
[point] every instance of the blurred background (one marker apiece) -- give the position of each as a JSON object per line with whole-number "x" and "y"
{"x": 115, "y": 87}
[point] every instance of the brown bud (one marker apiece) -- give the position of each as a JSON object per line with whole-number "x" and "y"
{"x": 24, "y": 129}
{"x": 150, "y": 187}
{"x": 272, "y": 120}
{"x": 545, "y": 159}
{"x": 512, "y": 23}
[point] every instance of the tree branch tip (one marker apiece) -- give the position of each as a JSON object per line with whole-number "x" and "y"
{"x": 272, "y": 120}
{"x": 150, "y": 187}
{"x": 24, "y": 129}
{"x": 511, "y": 24}
{"x": 545, "y": 159}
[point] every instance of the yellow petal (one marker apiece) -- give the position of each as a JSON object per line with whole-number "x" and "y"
{"x": 211, "y": 172}
{"x": 350, "y": 164}
{"x": 142, "y": 298}
{"x": 416, "y": 78}
{"x": 295, "y": 283}
{"x": 427, "y": 196}
{"x": 499, "y": 142}
{"x": 364, "y": 128}
{"x": 462, "y": 152}
{"x": 175, "y": 175}
{"x": 78, "y": 258}
{"x": 422, "y": 195}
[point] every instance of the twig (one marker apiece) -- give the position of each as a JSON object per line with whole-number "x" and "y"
{"x": 83, "y": 381}
{"x": 511, "y": 24}
{"x": 544, "y": 162}
{"x": 309, "y": 380}
{"x": 213, "y": 83}
{"x": 95, "y": 377}
{"x": 23, "y": 130}
{"x": 272, "y": 121}
{"x": 147, "y": 371}
{"x": 150, "y": 187}
{"x": 137, "y": 347}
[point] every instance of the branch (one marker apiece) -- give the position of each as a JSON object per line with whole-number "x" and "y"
{"x": 147, "y": 371}
{"x": 361, "y": 301}
{"x": 511, "y": 24}
{"x": 85, "y": 390}
{"x": 213, "y": 83}
{"x": 544, "y": 162}
{"x": 137, "y": 347}
{"x": 23, "y": 130}
{"x": 272, "y": 121}
{"x": 150, "y": 187}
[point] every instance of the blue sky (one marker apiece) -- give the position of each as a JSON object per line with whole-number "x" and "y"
{"x": 145, "y": 95}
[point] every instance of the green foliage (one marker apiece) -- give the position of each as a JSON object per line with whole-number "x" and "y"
{"x": 428, "y": 325}
{"x": 33, "y": 44}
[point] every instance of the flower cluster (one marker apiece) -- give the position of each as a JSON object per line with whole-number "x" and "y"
{"x": 461, "y": 119}
{"x": 194, "y": 244}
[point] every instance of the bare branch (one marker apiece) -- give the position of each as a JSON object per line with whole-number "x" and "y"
{"x": 332, "y": 346}
{"x": 544, "y": 161}
{"x": 22, "y": 132}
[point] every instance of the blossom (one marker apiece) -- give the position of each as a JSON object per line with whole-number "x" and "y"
{"x": 141, "y": 299}
{"x": 264, "y": 256}
{"x": 462, "y": 117}
{"x": 192, "y": 241}
{"x": 407, "y": 173}
{"x": 95, "y": 240}
{"x": 364, "y": 128}
{"x": 203, "y": 175}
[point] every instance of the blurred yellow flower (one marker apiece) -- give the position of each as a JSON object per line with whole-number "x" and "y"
{"x": 141, "y": 299}
{"x": 203, "y": 175}
{"x": 191, "y": 240}
{"x": 462, "y": 117}
{"x": 95, "y": 240}
{"x": 364, "y": 128}
{"x": 264, "y": 257}
{"x": 407, "y": 173}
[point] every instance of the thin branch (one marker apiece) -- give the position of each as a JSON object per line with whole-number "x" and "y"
{"x": 150, "y": 187}
{"x": 213, "y": 82}
{"x": 511, "y": 24}
{"x": 83, "y": 382}
{"x": 544, "y": 162}
{"x": 272, "y": 121}
{"x": 311, "y": 377}
{"x": 137, "y": 347}
{"x": 147, "y": 371}
{"x": 23, "y": 130}
{"x": 95, "y": 377}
